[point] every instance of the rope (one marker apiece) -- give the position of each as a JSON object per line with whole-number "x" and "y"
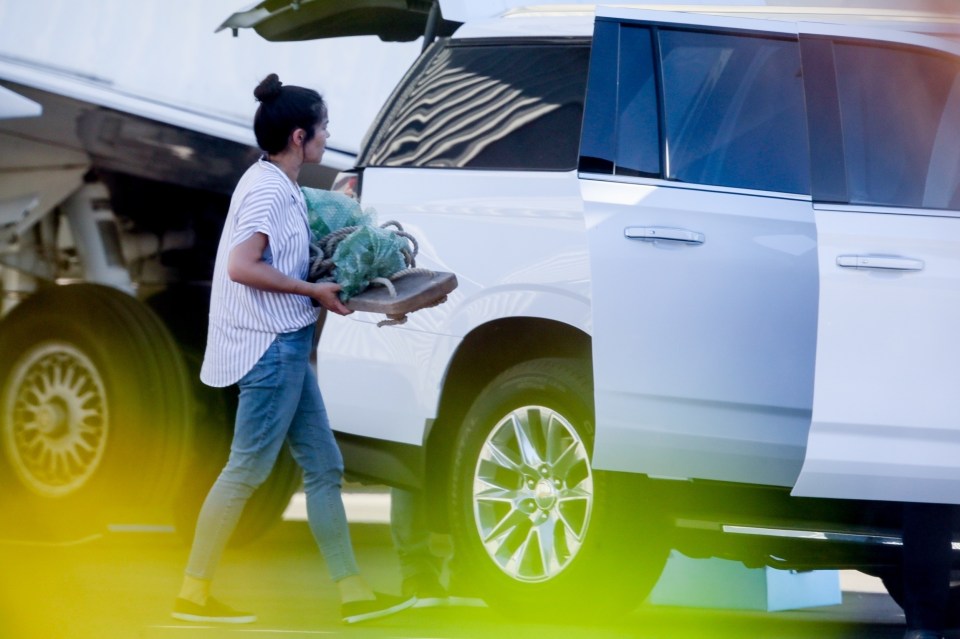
{"x": 411, "y": 271}
{"x": 322, "y": 266}
{"x": 322, "y": 250}
{"x": 382, "y": 281}
{"x": 392, "y": 321}
{"x": 395, "y": 320}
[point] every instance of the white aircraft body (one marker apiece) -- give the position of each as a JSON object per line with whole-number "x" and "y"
{"x": 123, "y": 130}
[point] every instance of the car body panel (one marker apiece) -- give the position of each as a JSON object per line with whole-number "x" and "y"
{"x": 886, "y": 406}
{"x": 711, "y": 357}
{"x": 703, "y": 353}
{"x": 884, "y": 414}
{"x": 571, "y": 24}
{"x": 522, "y": 254}
{"x": 704, "y": 297}
{"x": 684, "y": 418}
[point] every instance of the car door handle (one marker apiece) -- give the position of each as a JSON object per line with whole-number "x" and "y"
{"x": 663, "y": 233}
{"x": 880, "y": 262}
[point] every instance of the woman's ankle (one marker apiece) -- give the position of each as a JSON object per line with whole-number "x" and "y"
{"x": 195, "y": 590}
{"x": 354, "y": 588}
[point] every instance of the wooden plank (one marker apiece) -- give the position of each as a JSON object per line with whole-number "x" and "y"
{"x": 414, "y": 291}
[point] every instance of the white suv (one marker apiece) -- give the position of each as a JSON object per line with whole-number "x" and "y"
{"x": 709, "y": 269}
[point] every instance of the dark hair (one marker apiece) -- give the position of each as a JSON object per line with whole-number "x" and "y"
{"x": 282, "y": 110}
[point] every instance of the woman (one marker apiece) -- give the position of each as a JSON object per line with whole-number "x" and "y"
{"x": 262, "y": 318}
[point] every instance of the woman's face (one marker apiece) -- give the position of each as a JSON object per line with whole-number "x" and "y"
{"x": 313, "y": 149}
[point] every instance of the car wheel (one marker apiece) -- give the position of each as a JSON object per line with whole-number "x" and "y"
{"x": 540, "y": 531}
{"x": 95, "y": 411}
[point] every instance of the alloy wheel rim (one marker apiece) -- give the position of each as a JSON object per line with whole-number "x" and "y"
{"x": 533, "y": 494}
{"x": 55, "y": 419}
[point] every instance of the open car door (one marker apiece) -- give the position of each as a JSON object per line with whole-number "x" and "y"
{"x": 703, "y": 264}
{"x": 390, "y": 20}
{"x": 886, "y": 409}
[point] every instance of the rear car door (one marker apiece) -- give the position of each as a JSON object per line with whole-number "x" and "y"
{"x": 886, "y": 411}
{"x": 695, "y": 179}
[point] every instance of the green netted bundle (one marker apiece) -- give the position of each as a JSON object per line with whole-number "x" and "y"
{"x": 348, "y": 248}
{"x": 367, "y": 253}
{"x": 328, "y": 211}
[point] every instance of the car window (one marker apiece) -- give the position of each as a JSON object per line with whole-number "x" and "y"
{"x": 621, "y": 132}
{"x": 638, "y": 137}
{"x": 488, "y": 106}
{"x": 600, "y": 117}
{"x": 900, "y": 113}
{"x": 734, "y": 111}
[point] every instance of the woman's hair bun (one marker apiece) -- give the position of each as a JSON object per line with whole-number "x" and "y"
{"x": 269, "y": 89}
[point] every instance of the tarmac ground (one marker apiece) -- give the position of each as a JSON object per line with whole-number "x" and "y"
{"x": 121, "y": 584}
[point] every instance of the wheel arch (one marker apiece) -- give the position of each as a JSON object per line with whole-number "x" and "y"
{"x": 484, "y": 353}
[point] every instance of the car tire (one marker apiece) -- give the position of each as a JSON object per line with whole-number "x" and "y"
{"x": 536, "y": 529}
{"x": 95, "y": 411}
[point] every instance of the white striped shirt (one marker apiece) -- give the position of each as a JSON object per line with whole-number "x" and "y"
{"x": 244, "y": 321}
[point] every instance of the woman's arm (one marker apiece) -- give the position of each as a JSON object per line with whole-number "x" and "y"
{"x": 246, "y": 266}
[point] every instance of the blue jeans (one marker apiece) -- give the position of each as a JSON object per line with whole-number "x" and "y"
{"x": 279, "y": 400}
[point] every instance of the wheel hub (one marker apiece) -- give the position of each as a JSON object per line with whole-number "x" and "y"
{"x": 533, "y": 493}
{"x": 545, "y": 494}
{"x": 55, "y": 419}
{"x": 52, "y": 419}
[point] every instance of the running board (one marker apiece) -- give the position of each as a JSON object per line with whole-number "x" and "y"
{"x": 874, "y": 539}
{"x": 813, "y": 535}
{"x": 799, "y": 534}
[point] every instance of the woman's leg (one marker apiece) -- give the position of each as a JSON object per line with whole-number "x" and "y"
{"x": 269, "y": 396}
{"x": 315, "y": 449}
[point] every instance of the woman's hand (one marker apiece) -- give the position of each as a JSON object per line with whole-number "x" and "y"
{"x": 326, "y": 294}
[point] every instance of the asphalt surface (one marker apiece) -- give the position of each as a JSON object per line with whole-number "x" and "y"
{"x": 120, "y": 584}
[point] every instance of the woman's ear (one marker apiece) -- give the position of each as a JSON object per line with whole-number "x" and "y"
{"x": 298, "y": 136}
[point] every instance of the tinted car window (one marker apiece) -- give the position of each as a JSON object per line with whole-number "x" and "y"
{"x": 734, "y": 111}
{"x": 900, "y": 112}
{"x": 620, "y": 129}
{"x": 638, "y": 136}
{"x": 489, "y": 107}
{"x": 599, "y": 121}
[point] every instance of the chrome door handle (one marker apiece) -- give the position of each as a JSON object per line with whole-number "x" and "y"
{"x": 880, "y": 262}
{"x": 651, "y": 233}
